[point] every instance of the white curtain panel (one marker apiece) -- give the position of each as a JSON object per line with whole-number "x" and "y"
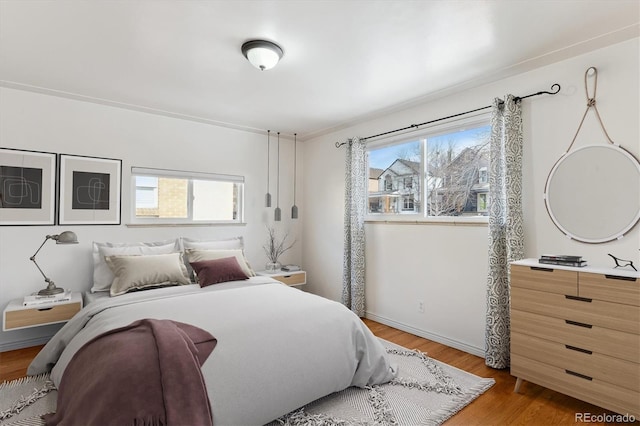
{"x": 355, "y": 205}
{"x": 506, "y": 234}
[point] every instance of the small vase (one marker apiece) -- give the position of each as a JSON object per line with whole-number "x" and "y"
{"x": 273, "y": 266}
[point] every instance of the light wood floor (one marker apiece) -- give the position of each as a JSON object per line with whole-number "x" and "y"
{"x": 534, "y": 405}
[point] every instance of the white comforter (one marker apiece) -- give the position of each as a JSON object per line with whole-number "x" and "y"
{"x": 278, "y": 348}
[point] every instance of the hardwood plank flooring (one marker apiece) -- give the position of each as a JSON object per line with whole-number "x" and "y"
{"x": 13, "y": 364}
{"x": 534, "y": 405}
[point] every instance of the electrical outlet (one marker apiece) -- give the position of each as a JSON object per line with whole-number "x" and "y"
{"x": 421, "y": 306}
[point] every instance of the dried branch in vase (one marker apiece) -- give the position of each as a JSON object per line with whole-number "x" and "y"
{"x": 275, "y": 247}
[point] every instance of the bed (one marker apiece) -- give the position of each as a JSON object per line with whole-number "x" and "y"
{"x": 278, "y": 348}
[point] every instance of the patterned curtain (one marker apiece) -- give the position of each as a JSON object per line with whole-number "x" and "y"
{"x": 506, "y": 235}
{"x": 354, "y": 212}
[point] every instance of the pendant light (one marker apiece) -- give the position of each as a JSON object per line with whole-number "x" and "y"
{"x": 294, "y": 208}
{"x": 268, "y": 196}
{"x": 278, "y": 214}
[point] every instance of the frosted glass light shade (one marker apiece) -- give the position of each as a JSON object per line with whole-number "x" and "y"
{"x": 262, "y": 54}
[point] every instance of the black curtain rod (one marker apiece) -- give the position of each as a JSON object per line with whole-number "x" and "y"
{"x": 555, "y": 89}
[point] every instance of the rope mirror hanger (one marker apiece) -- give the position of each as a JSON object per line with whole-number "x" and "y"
{"x": 591, "y": 103}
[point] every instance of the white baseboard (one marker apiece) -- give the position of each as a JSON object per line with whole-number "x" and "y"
{"x": 427, "y": 335}
{"x": 26, "y": 343}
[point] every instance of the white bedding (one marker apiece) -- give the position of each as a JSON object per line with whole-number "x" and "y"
{"x": 278, "y": 348}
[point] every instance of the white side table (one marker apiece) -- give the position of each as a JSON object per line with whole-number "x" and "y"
{"x": 16, "y": 316}
{"x": 293, "y": 278}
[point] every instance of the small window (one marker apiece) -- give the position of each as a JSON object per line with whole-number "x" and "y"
{"x": 408, "y": 204}
{"x": 408, "y": 182}
{"x": 483, "y": 202}
{"x": 168, "y": 196}
{"x": 483, "y": 175}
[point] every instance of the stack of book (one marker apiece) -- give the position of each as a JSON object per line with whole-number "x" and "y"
{"x": 40, "y": 299}
{"x": 562, "y": 259}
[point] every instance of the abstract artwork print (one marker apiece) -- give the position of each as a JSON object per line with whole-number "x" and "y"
{"x": 90, "y": 191}
{"x": 20, "y": 187}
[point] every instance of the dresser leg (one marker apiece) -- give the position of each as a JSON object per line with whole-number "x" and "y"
{"x": 518, "y": 384}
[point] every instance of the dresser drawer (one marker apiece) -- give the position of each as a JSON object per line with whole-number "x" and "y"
{"x": 602, "y": 340}
{"x": 615, "y": 398}
{"x": 589, "y": 311}
{"x": 297, "y": 278}
{"x": 40, "y": 316}
{"x": 611, "y": 288}
{"x": 612, "y": 370}
{"x": 545, "y": 279}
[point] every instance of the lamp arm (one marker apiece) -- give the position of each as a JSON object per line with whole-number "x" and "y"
{"x": 33, "y": 258}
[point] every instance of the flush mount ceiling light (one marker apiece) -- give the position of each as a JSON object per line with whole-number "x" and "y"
{"x": 262, "y": 54}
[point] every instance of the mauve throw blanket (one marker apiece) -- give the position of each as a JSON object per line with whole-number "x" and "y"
{"x": 147, "y": 373}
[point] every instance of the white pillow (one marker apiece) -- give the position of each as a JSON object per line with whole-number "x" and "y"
{"x": 102, "y": 275}
{"x": 194, "y": 255}
{"x": 138, "y": 272}
{"x": 228, "y": 244}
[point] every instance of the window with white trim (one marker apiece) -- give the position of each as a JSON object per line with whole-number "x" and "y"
{"x": 170, "y": 196}
{"x": 442, "y": 172}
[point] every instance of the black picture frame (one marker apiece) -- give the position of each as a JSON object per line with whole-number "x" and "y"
{"x": 27, "y": 187}
{"x": 90, "y": 191}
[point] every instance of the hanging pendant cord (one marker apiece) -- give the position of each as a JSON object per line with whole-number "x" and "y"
{"x": 295, "y": 165}
{"x": 278, "y": 179}
{"x": 555, "y": 89}
{"x": 268, "y": 157}
{"x": 591, "y": 103}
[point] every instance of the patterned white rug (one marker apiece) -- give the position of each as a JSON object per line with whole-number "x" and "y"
{"x": 426, "y": 392}
{"x": 24, "y": 400}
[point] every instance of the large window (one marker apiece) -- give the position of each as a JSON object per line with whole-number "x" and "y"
{"x": 168, "y": 196}
{"x": 440, "y": 173}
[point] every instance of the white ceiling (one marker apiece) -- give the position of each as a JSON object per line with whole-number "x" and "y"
{"x": 344, "y": 61}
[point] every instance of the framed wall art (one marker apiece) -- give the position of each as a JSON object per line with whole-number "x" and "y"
{"x": 90, "y": 190}
{"x": 27, "y": 187}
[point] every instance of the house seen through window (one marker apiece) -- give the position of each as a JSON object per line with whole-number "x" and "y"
{"x": 443, "y": 173}
{"x": 167, "y": 196}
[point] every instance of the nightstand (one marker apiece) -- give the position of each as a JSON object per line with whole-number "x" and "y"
{"x": 292, "y": 278}
{"x": 17, "y": 316}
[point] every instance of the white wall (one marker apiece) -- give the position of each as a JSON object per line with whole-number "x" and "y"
{"x": 444, "y": 265}
{"x": 34, "y": 121}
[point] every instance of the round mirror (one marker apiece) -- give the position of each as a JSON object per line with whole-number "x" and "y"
{"x": 593, "y": 193}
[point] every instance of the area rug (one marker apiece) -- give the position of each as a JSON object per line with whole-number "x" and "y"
{"x": 24, "y": 400}
{"x": 426, "y": 392}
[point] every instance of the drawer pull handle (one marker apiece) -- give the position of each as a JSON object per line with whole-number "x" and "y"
{"x": 579, "y": 324}
{"x": 582, "y": 376}
{"x": 538, "y": 268}
{"x": 617, "y": 277}
{"x": 584, "y": 351}
{"x": 45, "y": 309}
{"x": 577, "y": 298}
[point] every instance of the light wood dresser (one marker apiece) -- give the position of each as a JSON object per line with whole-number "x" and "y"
{"x": 577, "y": 331}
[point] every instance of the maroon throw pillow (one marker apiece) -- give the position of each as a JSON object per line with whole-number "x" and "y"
{"x": 218, "y": 271}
